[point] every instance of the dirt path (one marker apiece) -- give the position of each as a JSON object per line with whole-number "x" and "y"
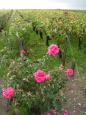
{"x": 76, "y": 96}
{"x": 3, "y": 107}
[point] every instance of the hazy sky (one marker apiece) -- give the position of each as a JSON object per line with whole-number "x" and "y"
{"x": 43, "y": 4}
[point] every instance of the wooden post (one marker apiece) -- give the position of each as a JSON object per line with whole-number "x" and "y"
{"x": 41, "y": 34}
{"x": 47, "y": 40}
{"x": 60, "y": 55}
{"x": 21, "y": 47}
{"x": 36, "y": 31}
{"x": 73, "y": 65}
{"x": 65, "y": 51}
{"x": 34, "y": 27}
{"x": 79, "y": 42}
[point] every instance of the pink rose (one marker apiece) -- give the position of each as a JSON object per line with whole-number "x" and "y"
{"x": 8, "y": 92}
{"x": 48, "y": 77}
{"x": 69, "y": 72}
{"x": 66, "y": 113}
{"x": 22, "y": 52}
{"x": 39, "y": 76}
{"x": 48, "y": 113}
{"x": 53, "y": 50}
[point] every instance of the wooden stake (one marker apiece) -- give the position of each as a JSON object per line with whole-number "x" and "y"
{"x": 65, "y": 51}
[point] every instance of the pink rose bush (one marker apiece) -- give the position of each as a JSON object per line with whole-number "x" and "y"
{"x": 8, "y": 92}
{"x": 40, "y": 76}
{"x": 53, "y": 49}
{"x": 34, "y": 86}
{"x": 69, "y": 72}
